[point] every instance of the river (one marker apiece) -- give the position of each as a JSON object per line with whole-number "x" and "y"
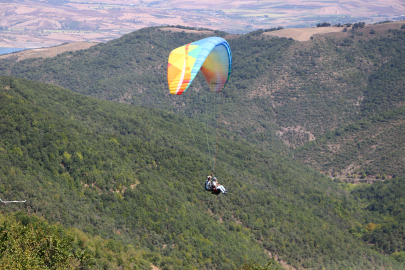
{"x": 9, "y": 50}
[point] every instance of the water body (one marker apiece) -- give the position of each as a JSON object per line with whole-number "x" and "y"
{"x": 9, "y": 50}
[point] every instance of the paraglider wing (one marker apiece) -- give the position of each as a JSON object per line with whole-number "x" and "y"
{"x": 212, "y": 55}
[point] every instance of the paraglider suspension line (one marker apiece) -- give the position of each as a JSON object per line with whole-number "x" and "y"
{"x": 206, "y": 127}
{"x": 213, "y": 120}
{"x": 216, "y": 127}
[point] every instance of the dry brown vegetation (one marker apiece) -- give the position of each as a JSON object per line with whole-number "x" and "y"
{"x": 175, "y": 29}
{"x": 303, "y": 34}
{"x": 49, "y": 52}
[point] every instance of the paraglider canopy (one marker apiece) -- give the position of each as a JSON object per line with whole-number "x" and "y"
{"x": 210, "y": 55}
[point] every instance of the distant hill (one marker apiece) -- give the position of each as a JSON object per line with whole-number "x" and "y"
{"x": 306, "y": 34}
{"x": 330, "y": 82}
{"x": 135, "y": 175}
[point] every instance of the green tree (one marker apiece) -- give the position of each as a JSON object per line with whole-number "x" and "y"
{"x": 23, "y": 248}
{"x": 399, "y": 256}
{"x": 271, "y": 265}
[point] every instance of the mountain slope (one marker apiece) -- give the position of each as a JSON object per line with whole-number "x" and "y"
{"x": 132, "y": 69}
{"x": 332, "y": 81}
{"x": 135, "y": 174}
{"x": 386, "y": 198}
{"x": 373, "y": 147}
{"x": 32, "y": 243}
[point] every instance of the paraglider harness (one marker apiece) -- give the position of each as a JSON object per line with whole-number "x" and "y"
{"x": 210, "y": 187}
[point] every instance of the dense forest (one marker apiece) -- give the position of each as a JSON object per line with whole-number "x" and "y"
{"x": 30, "y": 242}
{"x": 388, "y": 199}
{"x": 134, "y": 175}
{"x": 371, "y": 148}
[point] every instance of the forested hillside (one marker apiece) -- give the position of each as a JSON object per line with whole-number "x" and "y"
{"x": 29, "y": 242}
{"x": 135, "y": 175}
{"x": 132, "y": 69}
{"x": 371, "y": 148}
{"x": 337, "y": 79}
{"x": 388, "y": 199}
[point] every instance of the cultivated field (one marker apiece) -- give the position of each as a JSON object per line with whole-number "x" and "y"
{"x": 37, "y": 23}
